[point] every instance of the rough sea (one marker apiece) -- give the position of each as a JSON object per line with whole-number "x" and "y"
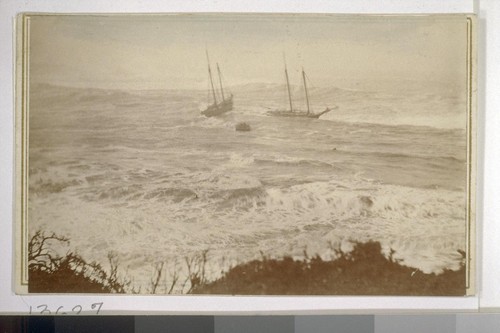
{"x": 143, "y": 175}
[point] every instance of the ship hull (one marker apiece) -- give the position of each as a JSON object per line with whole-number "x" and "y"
{"x": 298, "y": 114}
{"x": 217, "y": 109}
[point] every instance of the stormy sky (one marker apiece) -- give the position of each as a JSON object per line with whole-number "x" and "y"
{"x": 168, "y": 51}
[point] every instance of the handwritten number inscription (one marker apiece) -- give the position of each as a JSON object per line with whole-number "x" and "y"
{"x": 44, "y": 309}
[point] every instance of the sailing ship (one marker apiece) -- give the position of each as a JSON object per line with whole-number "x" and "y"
{"x": 291, "y": 112}
{"x": 217, "y": 107}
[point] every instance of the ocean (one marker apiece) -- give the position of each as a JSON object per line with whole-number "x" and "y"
{"x": 144, "y": 176}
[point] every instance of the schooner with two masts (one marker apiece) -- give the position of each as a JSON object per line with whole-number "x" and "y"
{"x": 217, "y": 107}
{"x": 291, "y": 112}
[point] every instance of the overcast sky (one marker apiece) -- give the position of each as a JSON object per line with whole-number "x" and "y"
{"x": 168, "y": 51}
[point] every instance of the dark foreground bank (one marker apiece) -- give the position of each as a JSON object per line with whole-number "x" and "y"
{"x": 364, "y": 271}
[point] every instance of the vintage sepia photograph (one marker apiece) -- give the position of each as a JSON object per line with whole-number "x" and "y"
{"x": 245, "y": 154}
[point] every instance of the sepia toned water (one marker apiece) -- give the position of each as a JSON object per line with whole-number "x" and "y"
{"x": 143, "y": 175}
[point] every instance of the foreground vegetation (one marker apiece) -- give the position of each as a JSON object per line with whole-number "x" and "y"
{"x": 364, "y": 271}
{"x": 50, "y": 273}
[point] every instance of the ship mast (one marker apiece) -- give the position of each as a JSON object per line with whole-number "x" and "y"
{"x": 288, "y": 87}
{"x": 220, "y": 82}
{"x": 305, "y": 89}
{"x": 211, "y": 80}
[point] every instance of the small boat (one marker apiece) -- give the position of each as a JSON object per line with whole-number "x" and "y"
{"x": 217, "y": 107}
{"x": 242, "y": 127}
{"x": 291, "y": 112}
